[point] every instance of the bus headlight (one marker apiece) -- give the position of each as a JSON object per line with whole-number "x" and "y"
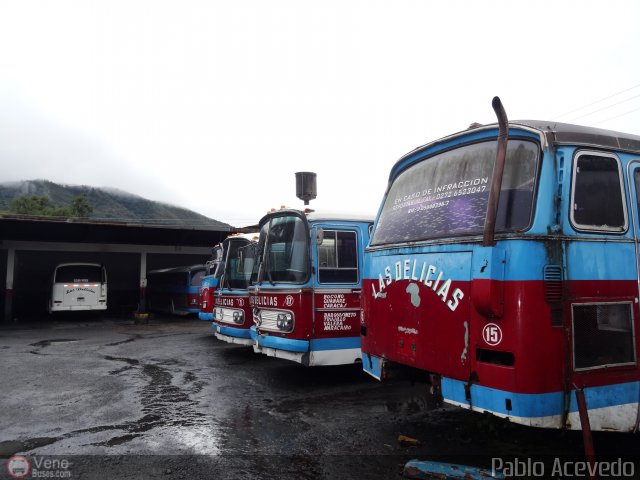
{"x": 218, "y": 314}
{"x": 238, "y": 317}
{"x": 284, "y": 321}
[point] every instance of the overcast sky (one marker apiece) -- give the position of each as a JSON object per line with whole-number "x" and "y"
{"x": 213, "y": 105}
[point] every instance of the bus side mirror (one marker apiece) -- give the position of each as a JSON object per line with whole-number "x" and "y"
{"x": 319, "y": 236}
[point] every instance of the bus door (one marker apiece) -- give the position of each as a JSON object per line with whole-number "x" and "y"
{"x": 336, "y": 301}
{"x": 603, "y": 313}
{"x": 634, "y": 193}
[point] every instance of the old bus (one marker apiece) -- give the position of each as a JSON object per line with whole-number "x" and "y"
{"x": 210, "y": 283}
{"x": 306, "y": 286}
{"x": 233, "y": 316}
{"x": 527, "y": 310}
{"x": 78, "y": 286}
{"x": 175, "y": 290}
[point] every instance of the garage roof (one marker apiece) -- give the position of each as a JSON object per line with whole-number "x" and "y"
{"x": 87, "y": 231}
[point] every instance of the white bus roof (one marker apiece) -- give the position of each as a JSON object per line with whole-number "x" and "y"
{"x": 77, "y": 264}
{"x": 252, "y": 237}
{"x": 186, "y": 268}
{"x": 353, "y": 217}
{"x": 315, "y": 216}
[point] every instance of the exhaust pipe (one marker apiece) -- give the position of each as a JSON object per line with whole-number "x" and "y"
{"x": 488, "y": 239}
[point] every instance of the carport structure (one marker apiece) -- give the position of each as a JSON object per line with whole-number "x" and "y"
{"x": 31, "y": 247}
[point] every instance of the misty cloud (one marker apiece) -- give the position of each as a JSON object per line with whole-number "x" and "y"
{"x": 35, "y": 146}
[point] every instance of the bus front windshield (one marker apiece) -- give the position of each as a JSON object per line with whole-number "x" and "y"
{"x": 284, "y": 247}
{"x": 239, "y": 264}
{"x": 446, "y": 195}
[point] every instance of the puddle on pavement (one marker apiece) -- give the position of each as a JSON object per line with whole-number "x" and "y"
{"x": 189, "y": 377}
{"x": 46, "y": 343}
{"x": 119, "y": 440}
{"x": 130, "y": 361}
{"x": 11, "y": 447}
{"x": 121, "y": 342}
{"x": 166, "y": 408}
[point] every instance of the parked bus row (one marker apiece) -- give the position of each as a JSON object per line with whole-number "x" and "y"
{"x": 210, "y": 283}
{"x": 294, "y": 291}
{"x": 232, "y": 311}
{"x": 179, "y": 291}
{"x": 503, "y": 263}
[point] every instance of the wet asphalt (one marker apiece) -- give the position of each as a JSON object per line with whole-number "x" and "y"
{"x": 168, "y": 400}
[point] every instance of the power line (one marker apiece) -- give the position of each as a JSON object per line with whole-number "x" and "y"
{"x": 604, "y": 108}
{"x": 597, "y": 101}
{"x": 617, "y": 116}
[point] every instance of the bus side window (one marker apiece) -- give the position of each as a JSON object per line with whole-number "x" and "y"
{"x": 338, "y": 257}
{"x": 597, "y": 200}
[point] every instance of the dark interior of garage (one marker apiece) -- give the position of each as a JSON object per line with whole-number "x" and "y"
{"x": 37, "y": 246}
{"x": 33, "y": 270}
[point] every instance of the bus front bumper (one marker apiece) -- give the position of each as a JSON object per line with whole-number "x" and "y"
{"x": 314, "y": 352}
{"x": 239, "y": 336}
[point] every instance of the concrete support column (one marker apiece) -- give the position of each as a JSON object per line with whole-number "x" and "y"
{"x": 142, "y": 303}
{"x": 8, "y": 288}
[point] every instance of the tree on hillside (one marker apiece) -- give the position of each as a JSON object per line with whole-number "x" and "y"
{"x": 80, "y": 207}
{"x": 36, "y": 205}
{"x": 42, "y": 206}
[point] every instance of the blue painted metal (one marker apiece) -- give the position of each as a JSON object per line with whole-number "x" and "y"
{"x": 234, "y": 332}
{"x": 289, "y": 344}
{"x": 317, "y": 344}
{"x": 538, "y": 404}
{"x": 419, "y": 469}
{"x": 587, "y": 259}
{"x": 372, "y": 365}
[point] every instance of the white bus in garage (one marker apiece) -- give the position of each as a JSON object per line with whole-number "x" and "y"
{"x": 78, "y": 286}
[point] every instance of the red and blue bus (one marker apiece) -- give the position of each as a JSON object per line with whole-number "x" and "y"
{"x": 175, "y": 290}
{"x": 516, "y": 287}
{"x": 306, "y": 286}
{"x": 209, "y": 284}
{"x": 233, "y": 316}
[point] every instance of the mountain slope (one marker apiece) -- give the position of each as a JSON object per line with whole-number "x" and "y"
{"x": 108, "y": 204}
